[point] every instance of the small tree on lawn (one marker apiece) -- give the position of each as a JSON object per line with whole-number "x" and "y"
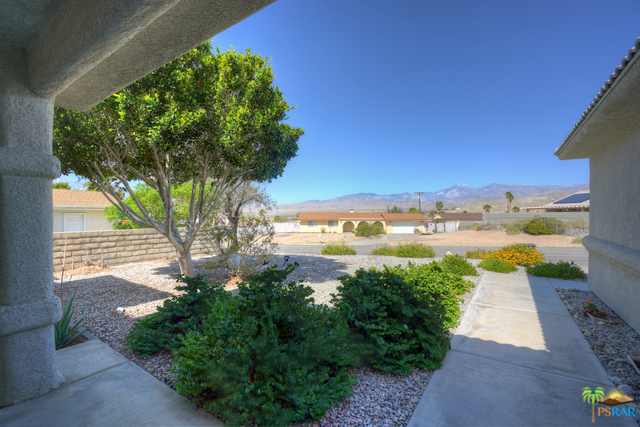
{"x": 214, "y": 121}
{"x": 487, "y": 208}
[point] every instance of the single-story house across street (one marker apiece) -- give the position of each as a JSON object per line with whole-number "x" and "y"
{"x": 346, "y": 222}
{"x": 608, "y": 134}
{"x": 75, "y": 210}
{"x": 576, "y": 202}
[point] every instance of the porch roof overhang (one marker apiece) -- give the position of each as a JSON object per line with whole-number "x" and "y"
{"x": 80, "y": 53}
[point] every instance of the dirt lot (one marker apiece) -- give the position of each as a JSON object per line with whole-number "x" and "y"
{"x": 459, "y": 238}
{"x": 490, "y": 238}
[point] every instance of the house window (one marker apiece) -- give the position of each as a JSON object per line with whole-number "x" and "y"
{"x": 312, "y": 223}
{"x": 333, "y": 223}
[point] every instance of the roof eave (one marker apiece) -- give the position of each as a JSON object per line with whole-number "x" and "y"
{"x": 617, "y": 102}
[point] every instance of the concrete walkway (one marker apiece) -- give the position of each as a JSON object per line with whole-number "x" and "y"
{"x": 103, "y": 388}
{"x": 517, "y": 359}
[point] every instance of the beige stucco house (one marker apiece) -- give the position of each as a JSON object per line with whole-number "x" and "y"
{"x": 346, "y": 222}
{"x": 608, "y": 134}
{"x": 72, "y": 54}
{"x": 75, "y": 210}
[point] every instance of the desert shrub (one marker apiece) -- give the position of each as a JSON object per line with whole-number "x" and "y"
{"x": 479, "y": 227}
{"x": 498, "y": 265}
{"x": 538, "y": 225}
{"x": 414, "y": 250}
{"x": 517, "y": 226}
{"x": 268, "y": 356}
{"x": 458, "y": 265}
{"x": 376, "y": 229}
{"x": 577, "y": 240}
{"x": 388, "y": 311}
{"x": 519, "y": 255}
{"x": 364, "y": 229}
{"x": 384, "y": 250}
{"x": 478, "y": 253}
{"x": 560, "y": 270}
{"x": 177, "y": 316}
{"x": 337, "y": 249}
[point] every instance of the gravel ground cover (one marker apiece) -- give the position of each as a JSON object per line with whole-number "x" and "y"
{"x": 378, "y": 399}
{"x": 611, "y": 342}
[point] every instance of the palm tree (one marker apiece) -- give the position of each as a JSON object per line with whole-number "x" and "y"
{"x": 510, "y": 198}
{"x": 515, "y": 209}
{"x": 592, "y": 395}
{"x": 487, "y": 208}
{"x": 262, "y": 213}
{"x": 90, "y": 186}
{"x": 439, "y": 206}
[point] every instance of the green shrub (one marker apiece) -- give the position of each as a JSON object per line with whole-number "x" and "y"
{"x": 392, "y": 314}
{"x": 414, "y": 250}
{"x": 377, "y": 229}
{"x": 561, "y": 270}
{"x": 577, "y": 240}
{"x": 478, "y": 253}
{"x": 268, "y": 356}
{"x": 458, "y": 265}
{"x": 498, "y": 265}
{"x": 538, "y": 225}
{"x": 64, "y": 331}
{"x": 517, "y": 226}
{"x": 384, "y": 250}
{"x": 177, "y": 316}
{"x": 337, "y": 249}
{"x": 364, "y": 229}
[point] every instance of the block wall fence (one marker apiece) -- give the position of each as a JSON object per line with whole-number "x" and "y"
{"x": 114, "y": 247}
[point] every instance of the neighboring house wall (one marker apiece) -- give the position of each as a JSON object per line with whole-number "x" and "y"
{"x": 95, "y": 220}
{"x": 614, "y": 241}
{"x": 113, "y": 247}
{"x": 499, "y": 218}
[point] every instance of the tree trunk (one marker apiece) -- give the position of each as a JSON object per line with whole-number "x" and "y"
{"x": 186, "y": 264}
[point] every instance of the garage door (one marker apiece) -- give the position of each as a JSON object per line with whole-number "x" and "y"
{"x": 404, "y": 227}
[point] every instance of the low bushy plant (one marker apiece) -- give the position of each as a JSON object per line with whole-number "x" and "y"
{"x": 399, "y": 320}
{"x": 176, "y": 317}
{"x": 338, "y": 249}
{"x": 498, "y": 265}
{"x": 414, "y": 250}
{"x": 538, "y": 225}
{"x": 478, "y": 253}
{"x": 577, "y": 240}
{"x": 561, "y": 270}
{"x": 517, "y": 226}
{"x": 268, "y": 356}
{"x": 458, "y": 265}
{"x": 384, "y": 250}
{"x": 519, "y": 255}
{"x": 364, "y": 229}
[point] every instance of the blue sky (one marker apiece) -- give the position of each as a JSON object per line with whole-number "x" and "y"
{"x": 412, "y": 96}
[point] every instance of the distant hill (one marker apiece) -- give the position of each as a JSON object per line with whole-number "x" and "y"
{"x": 458, "y": 197}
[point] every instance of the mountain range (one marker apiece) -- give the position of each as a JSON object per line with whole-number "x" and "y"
{"x": 457, "y": 196}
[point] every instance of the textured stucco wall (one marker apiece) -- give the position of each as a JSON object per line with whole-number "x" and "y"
{"x": 95, "y": 220}
{"x": 614, "y": 249}
{"x": 113, "y": 247}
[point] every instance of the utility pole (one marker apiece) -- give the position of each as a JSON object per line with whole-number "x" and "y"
{"x": 419, "y": 193}
{"x": 387, "y": 208}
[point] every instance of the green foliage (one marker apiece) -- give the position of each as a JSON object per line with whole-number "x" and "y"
{"x": 385, "y": 250}
{"x": 396, "y": 209}
{"x": 560, "y": 270}
{"x": 458, "y": 265}
{"x": 577, "y": 240}
{"x": 478, "y": 253}
{"x": 487, "y": 208}
{"x": 63, "y": 330}
{"x": 414, "y": 250}
{"x": 337, "y": 249}
{"x": 414, "y": 210}
{"x": 268, "y": 356}
{"x": 515, "y": 209}
{"x": 497, "y": 265}
{"x": 365, "y": 229}
{"x": 391, "y": 313}
{"x": 433, "y": 213}
{"x": 538, "y": 225}
{"x": 439, "y": 206}
{"x": 177, "y": 316}
{"x": 61, "y": 186}
{"x": 517, "y": 226}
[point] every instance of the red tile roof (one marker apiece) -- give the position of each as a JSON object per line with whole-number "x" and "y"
{"x": 334, "y": 216}
{"x": 404, "y": 217}
{"x": 79, "y": 199}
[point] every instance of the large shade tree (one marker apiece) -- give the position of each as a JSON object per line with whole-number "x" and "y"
{"x": 212, "y": 120}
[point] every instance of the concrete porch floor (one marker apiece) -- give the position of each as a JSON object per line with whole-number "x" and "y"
{"x": 103, "y": 388}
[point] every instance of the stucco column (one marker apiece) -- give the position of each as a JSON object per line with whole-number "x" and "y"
{"x": 28, "y": 307}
